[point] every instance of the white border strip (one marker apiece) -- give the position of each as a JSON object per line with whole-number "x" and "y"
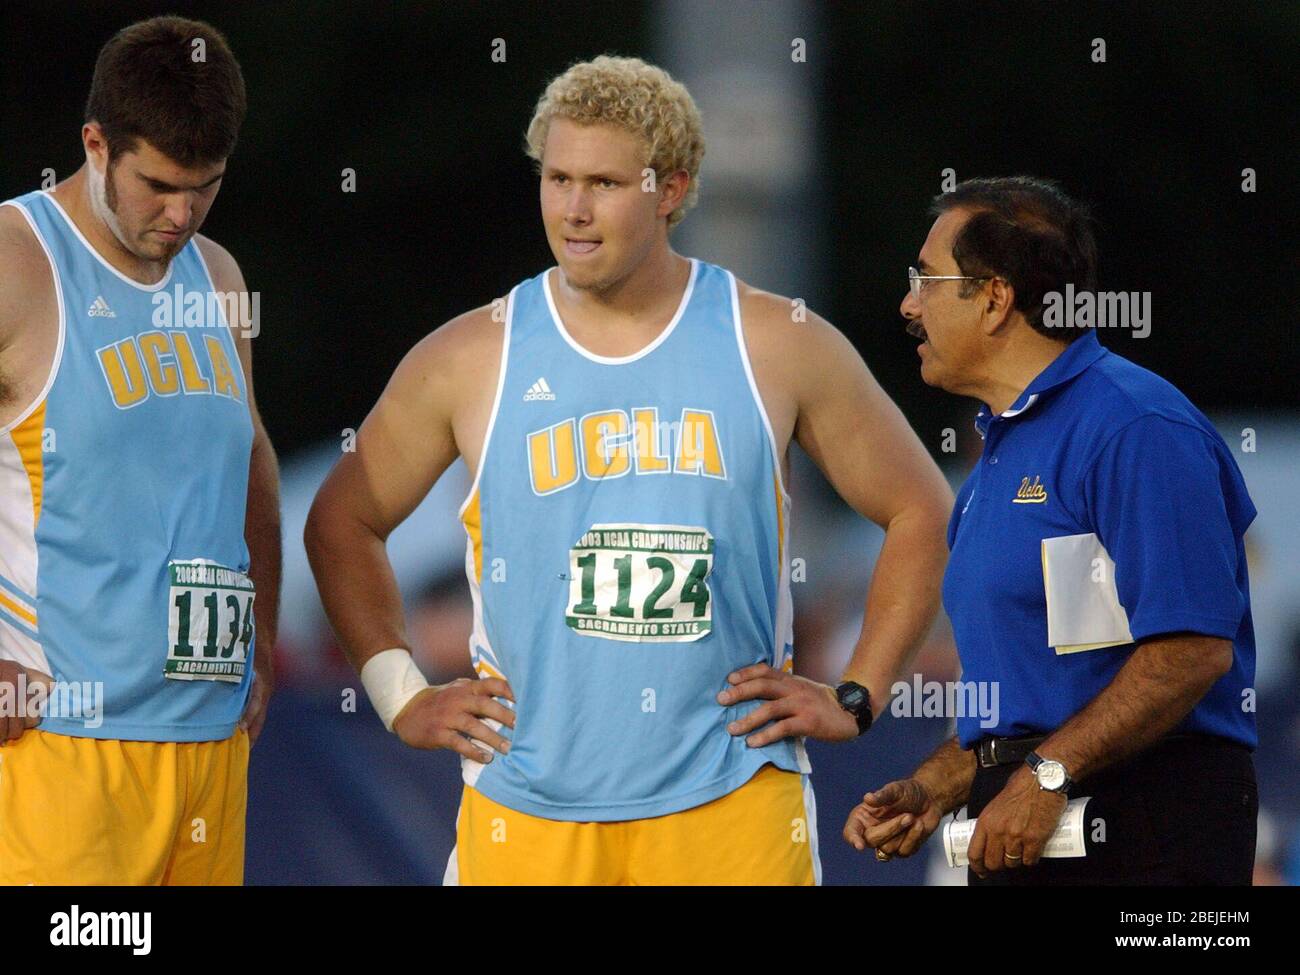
{"x": 784, "y": 598}
{"x": 1033, "y": 398}
{"x": 753, "y": 385}
{"x": 810, "y": 810}
{"x": 100, "y": 257}
{"x": 496, "y": 402}
{"x": 621, "y": 360}
{"x": 231, "y": 333}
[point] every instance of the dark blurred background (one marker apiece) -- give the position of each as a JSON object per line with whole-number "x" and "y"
{"x": 829, "y": 128}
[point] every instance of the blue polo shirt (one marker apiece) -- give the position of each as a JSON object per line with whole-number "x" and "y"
{"x": 1119, "y": 452}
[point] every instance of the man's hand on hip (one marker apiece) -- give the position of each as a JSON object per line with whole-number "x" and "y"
{"x": 254, "y": 716}
{"x": 447, "y": 716}
{"x": 13, "y": 725}
{"x": 795, "y": 705}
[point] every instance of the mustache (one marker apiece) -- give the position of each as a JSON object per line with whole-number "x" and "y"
{"x": 915, "y": 328}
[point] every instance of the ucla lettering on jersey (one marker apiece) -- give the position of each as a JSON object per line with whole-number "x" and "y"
{"x": 122, "y": 495}
{"x": 626, "y": 551}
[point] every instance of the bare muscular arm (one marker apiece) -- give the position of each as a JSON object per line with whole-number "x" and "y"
{"x": 432, "y": 411}
{"x": 829, "y": 402}
{"x": 402, "y": 448}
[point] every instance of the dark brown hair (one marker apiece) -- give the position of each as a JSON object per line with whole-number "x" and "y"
{"x": 1028, "y": 231}
{"x": 154, "y": 82}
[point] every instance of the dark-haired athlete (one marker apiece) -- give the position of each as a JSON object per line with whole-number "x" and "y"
{"x": 136, "y": 481}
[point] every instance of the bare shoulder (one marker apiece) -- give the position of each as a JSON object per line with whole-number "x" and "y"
{"x": 15, "y": 231}
{"x": 26, "y": 281}
{"x": 447, "y": 382}
{"x": 789, "y": 341}
{"x": 451, "y": 373}
{"x": 468, "y": 346}
{"x": 765, "y": 306}
{"x": 771, "y": 319}
{"x": 222, "y": 265}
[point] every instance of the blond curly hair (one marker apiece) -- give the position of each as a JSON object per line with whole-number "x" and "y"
{"x": 635, "y": 96}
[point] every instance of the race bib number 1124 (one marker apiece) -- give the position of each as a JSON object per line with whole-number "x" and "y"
{"x": 641, "y": 583}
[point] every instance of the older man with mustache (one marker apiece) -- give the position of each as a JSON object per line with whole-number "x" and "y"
{"x": 1097, "y": 575}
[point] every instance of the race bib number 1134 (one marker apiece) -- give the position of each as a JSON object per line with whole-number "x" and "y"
{"x": 641, "y": 583}
{"x": 209, "y": 621}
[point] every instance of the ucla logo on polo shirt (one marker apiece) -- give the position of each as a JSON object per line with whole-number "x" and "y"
{"x": 1029, "y": 493}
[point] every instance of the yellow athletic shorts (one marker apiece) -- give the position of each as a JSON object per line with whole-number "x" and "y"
{"x": 763, "y": 833}
{"x": 89, "y": 811}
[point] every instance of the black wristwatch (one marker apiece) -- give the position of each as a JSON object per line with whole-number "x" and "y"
{"x": 855, "y": 699}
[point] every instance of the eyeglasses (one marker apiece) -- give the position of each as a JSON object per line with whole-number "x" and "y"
{"x": 915, "y": 278}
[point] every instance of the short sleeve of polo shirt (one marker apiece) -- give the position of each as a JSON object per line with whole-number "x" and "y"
{"x": 1156, "y": 497}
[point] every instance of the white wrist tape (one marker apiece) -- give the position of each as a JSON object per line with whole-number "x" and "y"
{"x": 391, "y": 679}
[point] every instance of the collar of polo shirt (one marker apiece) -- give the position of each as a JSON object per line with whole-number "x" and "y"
{"x": 1078, "y": 356}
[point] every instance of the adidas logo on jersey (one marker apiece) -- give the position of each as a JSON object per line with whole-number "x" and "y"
{"x": 100, "y": 309}
{"x": 539, "y": 390}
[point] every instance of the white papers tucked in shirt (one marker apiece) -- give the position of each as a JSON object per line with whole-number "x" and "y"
{"x": 1083, "y": 608}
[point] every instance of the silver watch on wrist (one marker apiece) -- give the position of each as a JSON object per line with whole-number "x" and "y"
{"x": 1051, "y": 774}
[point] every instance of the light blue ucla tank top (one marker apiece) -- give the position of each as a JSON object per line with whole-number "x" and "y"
{"x": 627, "y": 535}
{"x": 123, "y": 568}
